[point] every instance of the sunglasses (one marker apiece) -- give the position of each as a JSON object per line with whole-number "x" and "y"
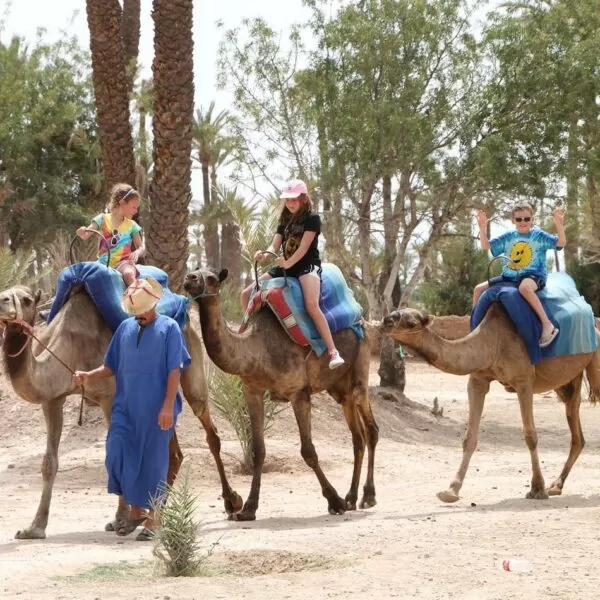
{"x": 521, "y": 219}
{"x": 116, "y": 236}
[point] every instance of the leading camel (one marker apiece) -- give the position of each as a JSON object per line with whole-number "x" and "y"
{"x": 265, "y": 358}
{"x": 79, "y": 336}
{"x": 495, "y": 352}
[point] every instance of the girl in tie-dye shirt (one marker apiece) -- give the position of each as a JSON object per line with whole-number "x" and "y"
{"x": 119, "y": 231}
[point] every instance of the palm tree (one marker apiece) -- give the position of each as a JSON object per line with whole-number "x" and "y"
{"x": 111, "y": 89}
{"x": 231, "y": 242}
{"x": 130, "y": 34}
{"x": 172, "y": 119}
{"x": 211, "y": 148}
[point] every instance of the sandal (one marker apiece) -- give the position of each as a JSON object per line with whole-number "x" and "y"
{"x": 145, "y": 535}
{"x": 127, "y": 526}
{"x": 544, "y": 343}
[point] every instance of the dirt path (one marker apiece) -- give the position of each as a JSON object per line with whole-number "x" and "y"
{"x": 408, "y": 546}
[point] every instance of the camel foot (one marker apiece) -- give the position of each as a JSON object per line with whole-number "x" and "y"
{"x": 32, "y": 533}
{"x": 537, "y": 495}
{"x": 242, "y": 516}
{"x": 336, "y": 506}
{"x": 368, "y": 502}
{"x": 555, "y": 489}
{"x": 233, "y": 504}
{"x": 448, "y": 496}
{"x": 351, "y": 500}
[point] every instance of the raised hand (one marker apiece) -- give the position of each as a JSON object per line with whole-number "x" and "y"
{"x": 558, "y": 215}
{"x": 482, "y": 219}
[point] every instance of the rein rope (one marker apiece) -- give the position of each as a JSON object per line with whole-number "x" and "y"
{"x": 27, "y": 329}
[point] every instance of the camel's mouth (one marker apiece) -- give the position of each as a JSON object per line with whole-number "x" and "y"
{"x": 8, "y": 318}
{"x": 388, "y": 322}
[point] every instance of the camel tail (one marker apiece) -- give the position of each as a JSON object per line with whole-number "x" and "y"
{"x": 592, "y": 372}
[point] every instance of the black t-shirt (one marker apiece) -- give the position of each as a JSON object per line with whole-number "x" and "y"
{"x": 292, "y": 235}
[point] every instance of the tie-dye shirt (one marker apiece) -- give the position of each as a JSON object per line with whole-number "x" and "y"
{"x": 525, "y": 253}
{"x": 118, "y": 239}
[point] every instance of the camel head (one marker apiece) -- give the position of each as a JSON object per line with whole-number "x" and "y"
{"x": 18, "y": 303}
{"x": 407, "y": 321}
{"x": 204, "y": 282}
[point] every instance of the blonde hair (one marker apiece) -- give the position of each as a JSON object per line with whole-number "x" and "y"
{"x": 522, "y": 207}
{"x": 121, "y": 192}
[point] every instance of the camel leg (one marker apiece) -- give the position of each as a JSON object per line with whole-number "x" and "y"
{"x": 372, "y": 432}
{"x": 193, "y": 384}
{"x": 571, "y": 395}
{"x": 231, "y": 499}
{"x": 477, "y": 388}
{"x": 175, "y": 459}
{"x": 358, "y": 442}
{"x": 537, "y": 491}
{"x": 53, "y": 413}
{"x": 302, "y": 410}
{"x": 256, "y": 410}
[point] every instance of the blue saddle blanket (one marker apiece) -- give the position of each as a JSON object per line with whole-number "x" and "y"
{"x": 106, "y": 288}
{"x": 565, "y": 307}
{"x": 337, "y": 301}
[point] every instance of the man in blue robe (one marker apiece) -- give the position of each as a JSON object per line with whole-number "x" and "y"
{"x": 146, "y": 355}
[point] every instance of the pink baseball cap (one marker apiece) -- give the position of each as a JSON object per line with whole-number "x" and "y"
{"x": 293, "y": 188}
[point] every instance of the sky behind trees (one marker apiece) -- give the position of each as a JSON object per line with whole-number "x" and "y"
{"x": 25, "y": 18}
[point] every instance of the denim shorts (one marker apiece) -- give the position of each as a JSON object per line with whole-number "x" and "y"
{"x": 540, "y": 281}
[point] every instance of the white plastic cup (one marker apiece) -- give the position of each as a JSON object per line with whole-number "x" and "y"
{"x": 516, "y": 565}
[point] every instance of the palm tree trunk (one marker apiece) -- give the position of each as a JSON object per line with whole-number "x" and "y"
{"x": 130, "y": 33}
{"x": 111, "y": 89}
{"x": 211, "y": 227}
{"x": 173, "y": 105}
{"x": 231, "y": 253}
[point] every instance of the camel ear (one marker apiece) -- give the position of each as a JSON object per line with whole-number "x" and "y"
{"x": 37, "y": 296}
{"x": 223, "y": 275}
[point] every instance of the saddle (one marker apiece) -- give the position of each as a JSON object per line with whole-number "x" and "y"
{"x": 284, "y": 298}
{"x": 105, "y": 287}
{"x": 565, "y": 307}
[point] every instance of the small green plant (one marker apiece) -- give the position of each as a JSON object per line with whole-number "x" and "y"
{"x": 176, "y": 546}
{"x": 225, "y": 392}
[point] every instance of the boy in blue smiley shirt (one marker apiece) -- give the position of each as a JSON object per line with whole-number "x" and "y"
{"x": 525, "y": 248}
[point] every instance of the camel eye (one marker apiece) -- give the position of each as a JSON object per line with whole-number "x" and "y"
{"x": 27, "y": 300}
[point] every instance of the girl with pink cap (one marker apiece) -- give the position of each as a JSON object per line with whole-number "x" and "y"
{"x": 297, "y": 235}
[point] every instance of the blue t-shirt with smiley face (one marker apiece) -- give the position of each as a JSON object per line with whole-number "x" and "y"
{"x": 525, "y": 252}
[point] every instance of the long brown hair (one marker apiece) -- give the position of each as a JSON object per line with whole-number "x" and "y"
{"x": 287, "y": 218}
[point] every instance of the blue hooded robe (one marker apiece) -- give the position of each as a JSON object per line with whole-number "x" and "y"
{"x": 137, "y": 449}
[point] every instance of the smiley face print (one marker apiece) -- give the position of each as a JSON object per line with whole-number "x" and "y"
{"x": 520, "y": 256}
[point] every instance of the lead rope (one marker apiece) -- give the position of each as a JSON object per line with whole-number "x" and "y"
{"x": 28, "y": 331}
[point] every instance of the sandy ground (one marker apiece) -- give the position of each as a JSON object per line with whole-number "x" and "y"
{"x": 408, "y": 546}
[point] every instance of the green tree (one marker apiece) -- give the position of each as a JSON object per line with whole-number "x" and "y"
{"x": 382, "y": 121}
{"x": 543, "y": 112}
{"x": 458, "y": 266}
{"x": 49, "y": 155}
{"x": 211, "y": 146}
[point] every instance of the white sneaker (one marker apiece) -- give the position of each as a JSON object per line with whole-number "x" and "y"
{"x": 335, "y": 360}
